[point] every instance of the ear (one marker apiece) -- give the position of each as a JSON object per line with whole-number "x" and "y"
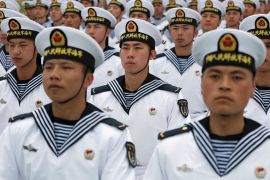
{"x": 253, "y": 87}
{"x": 108, "y": 32}
{"x": 88, "y": 79}
{"x": 153, "y": 54}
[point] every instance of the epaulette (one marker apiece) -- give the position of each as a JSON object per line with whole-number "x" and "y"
{"x": 174, "y": 132}
{"x": 100, "y": 89}
{"x": 159, "y": 56}
{"x": 170, "y": 88}
{"x": 116, "y": 54}
{"x": 115, "y": 123}
{"x": 3, "y": 78}
{"x": 20, "y": 117}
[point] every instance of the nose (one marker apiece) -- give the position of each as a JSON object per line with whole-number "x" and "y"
{"x": 54, "y": 73}
{"x": 225, "y": 84}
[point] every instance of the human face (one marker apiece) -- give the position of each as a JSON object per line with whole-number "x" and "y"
{"x": 97, "y": 31}
{"x": 72, "y": 20}
{"x": 249, "y": 10}
{"x": 226, "y": 89}
{"x": 182, "y": 34}
{"x": 31, "y": 13}
{"x": 115, "y": 10}
{"x": 210, "y": 21}
{"x": 3, "y": 37}
{"x": 158, "y": 7}
{"x": 87, "y": 3}
{"x": 22, "y": 51}
{"x": 55, "y": 13}
{"x": 64, "y": 79}
{"x": 41, "y": 12}
{"x": 135, "y": 56}
{"x": 263, "y": 8}
{"x": 265, "y": 67}
{"x": 233, "y": 18}
{"x": 139, "y": 15}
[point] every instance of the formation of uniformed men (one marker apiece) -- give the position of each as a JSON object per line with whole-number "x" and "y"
{"x": 134, "y": 89}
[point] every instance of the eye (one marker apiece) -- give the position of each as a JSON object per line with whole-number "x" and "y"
{"x": 237, "y": 78}
{"x": 214, "y": 76}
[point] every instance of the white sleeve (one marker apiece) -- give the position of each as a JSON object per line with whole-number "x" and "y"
{"x": 8, "y": 164}
{"x": 117, "y": 165}
{"x": 155, "y": 169}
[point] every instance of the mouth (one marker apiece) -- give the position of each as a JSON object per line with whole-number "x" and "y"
{"x": 223, "y": 98}
{"x": 54, "y": 87}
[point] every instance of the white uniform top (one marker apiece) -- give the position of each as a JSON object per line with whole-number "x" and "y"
{"x": 180, "y": 157}
{"x": 153, "y": 109}
{"x": 10, "y": 102}
{"x": 110, "y": 69}
{"x": 256, "y": 111}
{"x": 94, "y": 150}
{"x": 166, "y": 68}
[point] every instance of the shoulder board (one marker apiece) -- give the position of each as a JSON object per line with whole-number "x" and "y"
{"x": 116, "y": 54}
{"x": 170, "y": 88}
{"x": 3, "y": 78}
{"x": 20, "y": 117}
{"x": 159, "y": 56}
{"x": 100, "y": 89}
{"x": 115, "y": 123}
{"x": 166, "y": 134}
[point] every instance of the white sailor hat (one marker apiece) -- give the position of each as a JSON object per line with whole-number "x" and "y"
{"x": 183, "y": 16}
{"x": 6, "y": 13}
{"x": 257, "y": 24}
{"x": 169, "y": 4}
{"x": 15, "y": 3}
{"x": 71, "y": 44}
{"x": 98, "y": 15}
{"x": 20, "y": 27}
{"x": 192, "y": 3}
{"x": 229, "y": 47}
{"x": 121, "y": 3}
{"x": 140, "y": 6}
{"x": 236, "y": 5}
{"x": 9, "y": 5}
{"x": 157, "y": 1}
{"x": 254, "y": 3}
{"x": 71, "y": 6}
{"x": 213, "y": 6}
{"x": 28, "y": 4}
{"x": 42, "y": 3}
{"x": 56, "y": 3}
{"x": 138, "y": 30}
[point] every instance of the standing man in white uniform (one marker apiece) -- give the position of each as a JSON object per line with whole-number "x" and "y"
{"x": 225, "y": 145}
{"x": 21, "y": 90}
{"x": 139, "y": 99}
{"x": 258, "y": 107}
{"x": 177, "y": 66}
{"x": 68, "y": 138}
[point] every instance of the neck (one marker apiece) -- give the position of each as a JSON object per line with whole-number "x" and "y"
{"x": 26, "y": 72}
{"x": 71, "y": 110}
{"x": 58, "y": 22}
{"x": 223, "y": 125}
{"x": 183, "y": 51}
{"x": 41, "y": 20}
{"x": 262, "y": 78}
{"x": 233, "y": 27}
{"x": 158, "y": 16}
{"x": 134, "y": 81}
{"x": 103, "y": 44}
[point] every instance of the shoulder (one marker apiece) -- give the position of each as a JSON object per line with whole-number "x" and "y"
{"x": 20, "y": 117}
{"x": 174, "y": 132}
{"x": 100, "y": 89}
{"x": 170, "y": 88}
